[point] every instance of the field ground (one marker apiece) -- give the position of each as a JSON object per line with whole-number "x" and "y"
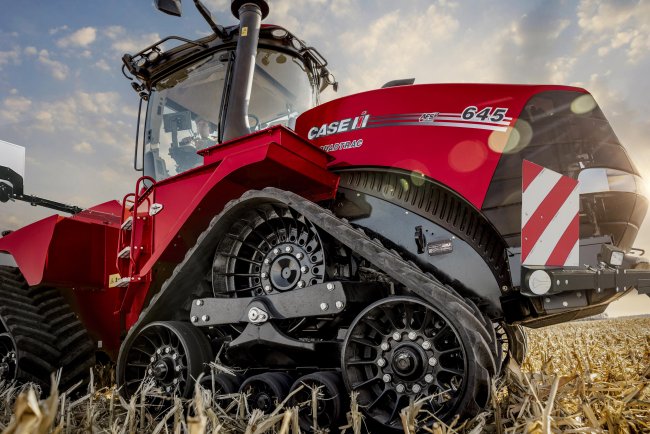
{"x": 581, "y": 377}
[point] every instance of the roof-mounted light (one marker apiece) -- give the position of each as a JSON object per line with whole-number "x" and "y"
{"x": 279, "y": 33}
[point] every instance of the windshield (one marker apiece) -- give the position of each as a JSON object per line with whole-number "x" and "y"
{"x": 184, "y": 109}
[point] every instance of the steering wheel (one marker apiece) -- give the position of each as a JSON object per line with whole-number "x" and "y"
{"x": 257, "y": 121}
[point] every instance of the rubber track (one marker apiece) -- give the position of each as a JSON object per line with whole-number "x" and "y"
{"x": 47, "y": 333}
{"x": 405, "y": 272}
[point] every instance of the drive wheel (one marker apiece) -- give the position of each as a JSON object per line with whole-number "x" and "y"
{"x": 401, "y": 348}
{"x": 171, "y": 354}
{"x": 272, "y": 249}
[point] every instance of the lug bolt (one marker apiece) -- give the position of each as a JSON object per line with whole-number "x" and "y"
{"x": 330, "y": 287}
{"x": 426, "y": 345}
{"x": 276, "y": 251}
{"x": 152, "y": 359}
{"x": 400, "y": 388}
{"x": 304, "y": 269}
{"x": 267, "y": 288}
{"x": 195, "y": 318}
{"x": 167, "y": 350}
{"x": 264, "y": 275}
{"x": 416, "y": 388}
{"x": 168, "y": 389}
{"x": 174, "y": 356}
{"x": 288, "y": 249}
{"x": 397, "y": 336}
{"x": 178, "y": 368}
{"x": 428, "y": 378}
{"x": 381, "y": 362}
{"x": 301, "y": 284}
{"x": 299, "y": 255}
{"x": 150, "y": 372}
{"x": 176, "y": 381}
{"x": 385, "y": 346}
{"x": 205, "y": 318}
{"x": 432, "y": 361}
{"x": 324, "y": 306}
{"x": 267, "y": 261}
{"x": 386, "y": 378}
{"x": 158, "y": 351}
{"x": 199, "y": 302}
{"x": 413, "y": 336}
{"x": 339, "y": 305}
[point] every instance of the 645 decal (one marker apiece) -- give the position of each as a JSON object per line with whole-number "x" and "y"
{"x": 487, "y": 114}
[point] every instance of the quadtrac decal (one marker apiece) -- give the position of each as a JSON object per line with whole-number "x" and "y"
{"x": 485, "y": 118}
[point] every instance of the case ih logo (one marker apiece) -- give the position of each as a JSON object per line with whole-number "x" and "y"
{"x": 341, "y": 126}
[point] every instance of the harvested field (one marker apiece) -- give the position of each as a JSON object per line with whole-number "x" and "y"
{"x": 581, "y": 377}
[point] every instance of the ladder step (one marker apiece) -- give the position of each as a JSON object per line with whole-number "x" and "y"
{"x": 128, "y": 223}
{"x": 123, "y": 282}
{"x": 124, "y": 253}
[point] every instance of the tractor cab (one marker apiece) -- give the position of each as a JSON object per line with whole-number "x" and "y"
{"x": 189, "y": 92}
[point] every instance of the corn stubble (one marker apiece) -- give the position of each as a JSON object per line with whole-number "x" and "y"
{"x": 581, "y": 377}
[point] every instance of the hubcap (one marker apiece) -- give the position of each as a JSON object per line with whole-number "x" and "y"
{"x": 286, "y": 267}
{"x": 407, "y": 362}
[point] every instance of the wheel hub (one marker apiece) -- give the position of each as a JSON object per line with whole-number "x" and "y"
{"x": 264, "y": 402}
{"x": 289, "y": 266}
{"x": 407, "y": 362}
{"x": 166, "y": 368}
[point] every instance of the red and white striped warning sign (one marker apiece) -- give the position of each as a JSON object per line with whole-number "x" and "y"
{"x": 550, "y": 225}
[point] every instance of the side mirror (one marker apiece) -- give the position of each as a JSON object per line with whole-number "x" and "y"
{"x": 171, "y": 7}
{"x": 12, "y": 170}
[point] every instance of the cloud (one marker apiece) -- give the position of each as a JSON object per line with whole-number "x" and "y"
{"x": 13, "y": 108}
{"x": 58, "y": 70}
{"x": 377, "y": 52}
{"x": 615, "y": 25}
{"x": 31, "y": 51}
{"x": 560, "y": 69}
{"x": 80, "y": 38}
{"x": 103, "y": 65}
{"x": 10, "y": 57}
{"x": 56, "y": 30}
{"x": 122, "y": 42}
{"x": 84, "y": 148}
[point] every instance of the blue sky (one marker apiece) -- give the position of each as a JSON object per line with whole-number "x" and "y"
{"x": 63, "y": 97}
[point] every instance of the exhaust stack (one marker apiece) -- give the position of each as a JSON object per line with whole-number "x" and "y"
{"x": 250, "y": 14}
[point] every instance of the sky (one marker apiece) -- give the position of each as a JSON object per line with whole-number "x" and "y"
{"x": 63, "y": 96}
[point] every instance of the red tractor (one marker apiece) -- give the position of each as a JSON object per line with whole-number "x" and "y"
{"x": 371, "y": 244}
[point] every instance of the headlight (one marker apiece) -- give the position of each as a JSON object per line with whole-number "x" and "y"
{"x": 539, "y": 282}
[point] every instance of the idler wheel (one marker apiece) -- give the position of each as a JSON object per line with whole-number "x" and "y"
{"x": 327, "y": 410}
{"x": 266, "y": 391}
{"x": 170, "y": 354}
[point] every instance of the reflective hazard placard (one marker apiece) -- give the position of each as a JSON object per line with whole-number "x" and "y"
{"x": 550, "y": 223}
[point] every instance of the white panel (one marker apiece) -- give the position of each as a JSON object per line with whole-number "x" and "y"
{"x": 13, "y": 157}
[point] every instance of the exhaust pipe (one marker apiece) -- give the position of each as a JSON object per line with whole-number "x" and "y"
{"x": 250, "y": 14}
